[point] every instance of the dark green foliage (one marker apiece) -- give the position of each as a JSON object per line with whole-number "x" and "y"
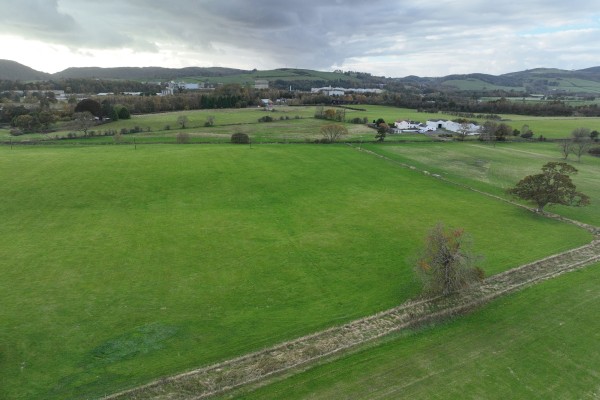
{"x": 527, "y": 135}
{"x": 240, "y": 138}
{"x": 266, "y": 118}
{"x": 124, "y": 113}
{"x": 92, "y": 106}
{"x": 381, "y": 132}
{"x": 359, "y": 120}
{"x": 594, "y": 151}
{"x": 552, "y": 186}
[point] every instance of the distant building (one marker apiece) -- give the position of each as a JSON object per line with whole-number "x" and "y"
{"x": 173, "y": 87}
{"x": 451, "y": 126}
{"x": 405, "y": 125}
{"x": 261, "y": 84}
{"x": 267, "y": 104}
{"x": 338, "y": 91}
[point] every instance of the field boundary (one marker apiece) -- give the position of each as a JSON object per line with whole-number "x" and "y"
{"x": 590, "y": 228}
{"x": 311, "y": 349}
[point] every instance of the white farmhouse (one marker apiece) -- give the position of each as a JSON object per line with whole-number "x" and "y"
{"x": 405, "y": 125}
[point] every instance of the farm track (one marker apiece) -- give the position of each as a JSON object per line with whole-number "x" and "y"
{"x": 256, "y": 368}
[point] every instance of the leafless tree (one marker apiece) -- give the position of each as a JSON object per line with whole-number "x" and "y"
{"x": 333, "y": 132}
{"x": 581, "y": 142}
{"x": 84, "y": 120}
{"x": 447, "y": 263}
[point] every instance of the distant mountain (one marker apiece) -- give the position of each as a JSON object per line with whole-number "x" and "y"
{"x": 539, "y": 80}
{"x": 13, "y": 71}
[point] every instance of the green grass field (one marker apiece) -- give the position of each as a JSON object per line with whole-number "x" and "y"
{"x": 493, "y": 169}
{"x": 292, "y": 124}
{"x": 122, "y": 265}
{"x": 536, "y": 344}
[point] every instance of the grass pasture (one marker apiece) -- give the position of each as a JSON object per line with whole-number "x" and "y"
{"x": 122, "y": 265}
{"x": 493, "y": 169}
{"x": 536, "y": 344}
{"x": 291, "y": 124}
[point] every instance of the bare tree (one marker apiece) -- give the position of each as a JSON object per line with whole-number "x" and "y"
{"x": 210, "y": 121}
{"x": 463, "y": 131}
{"x": 581, "y": 141}
{"x": 447, "y": 263}
{"x": 487, "y": 132}
{"x": 182, "y": 120}
{"x": 333, "y": 132}
{"x": 84, "y": 121}
{"x": 565, "y": 147}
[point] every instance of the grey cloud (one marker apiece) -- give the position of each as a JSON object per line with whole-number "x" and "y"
{"x": 309, "y": 33}
{"x": 34, "y": 18}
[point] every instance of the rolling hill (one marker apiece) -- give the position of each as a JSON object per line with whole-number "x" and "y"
{"x": 539, "y": 80}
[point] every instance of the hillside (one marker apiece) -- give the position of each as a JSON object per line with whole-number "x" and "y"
{"x": 135, "y": 73}
{"x": 13, "y": 71}
{"x": 540, "y": 80}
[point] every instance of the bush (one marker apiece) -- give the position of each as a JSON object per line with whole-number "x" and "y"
{"x": 527, "y": 135}
{"x": 594, "y": 151}
{"x": 240, "y": 138}
{"x": 124, "y": 113}
{"x": 266, "y": 118}
{"x": 183, "y": 138}
{"x": 16, "y": 132}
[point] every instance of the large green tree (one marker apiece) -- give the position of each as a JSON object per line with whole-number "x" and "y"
{"x": 89, "y": 105}
{"x": 552, "y": 186}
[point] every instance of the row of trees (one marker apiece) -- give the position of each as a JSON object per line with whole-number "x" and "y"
{"x": 579, "y": 143}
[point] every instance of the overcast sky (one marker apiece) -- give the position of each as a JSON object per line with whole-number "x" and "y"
{"x": 383, "y": 37}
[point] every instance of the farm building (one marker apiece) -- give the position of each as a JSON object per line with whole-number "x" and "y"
{"x": 433, "y": 125}
{"x": 404, "y": 125}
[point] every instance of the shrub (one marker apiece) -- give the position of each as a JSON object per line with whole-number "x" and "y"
{"x": 266, "y": 118}
{"x": 333, "y": 132}
{"x": 527, "y": 135}
{"x": 124, "y": 113}
{"x": 183, "y": 138}
{"x": 358, "y": 120}
{"x": 594, "y": 151}
{"x": 240, "y": 138}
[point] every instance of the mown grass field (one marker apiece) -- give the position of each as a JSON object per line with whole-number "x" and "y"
{"x": 493, "y": 169}
{"x": 536, "y": 344}
{"x": 122, "y": 265}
